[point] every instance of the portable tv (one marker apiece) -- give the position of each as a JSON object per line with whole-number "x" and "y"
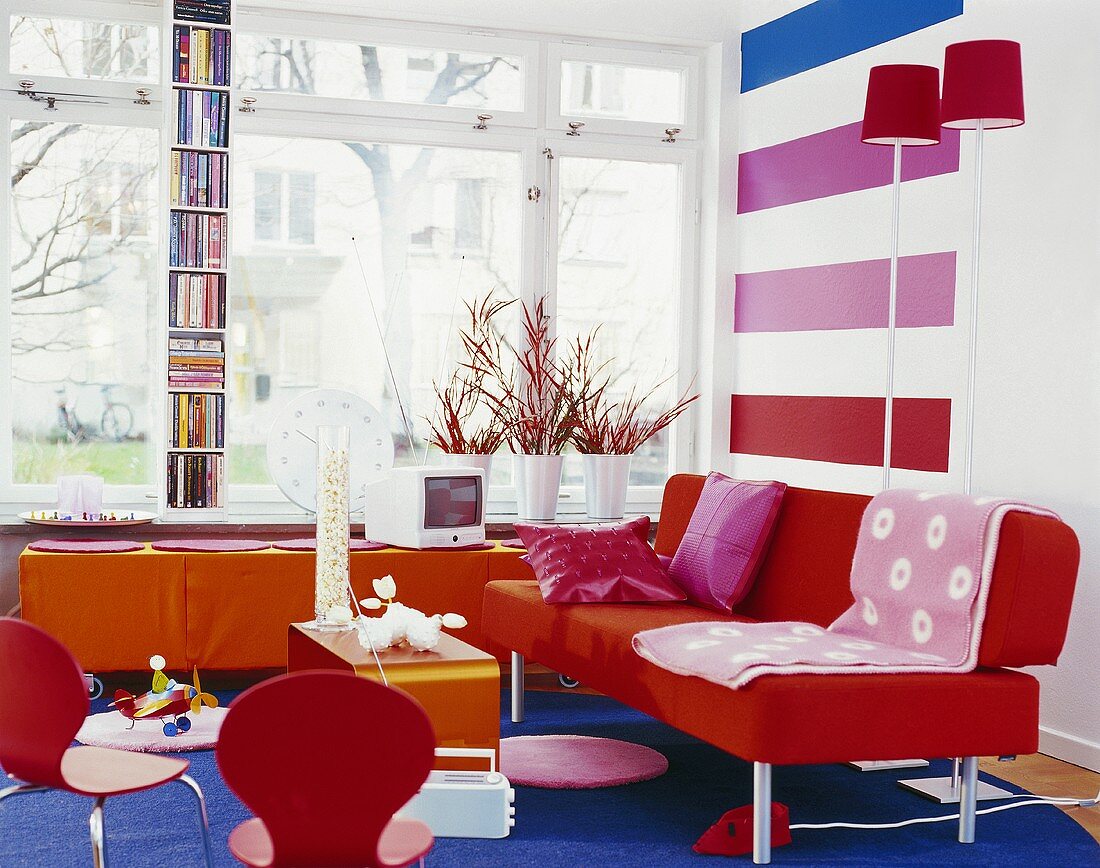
{"x": 427, "y": 507}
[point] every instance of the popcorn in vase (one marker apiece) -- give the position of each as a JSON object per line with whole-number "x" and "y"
{"x": 333, "y": 525}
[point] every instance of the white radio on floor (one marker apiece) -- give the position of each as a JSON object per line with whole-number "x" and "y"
{"x": 465, "y": 804}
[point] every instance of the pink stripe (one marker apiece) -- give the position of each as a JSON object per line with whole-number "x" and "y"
{"x": 832, "y": 162}
{"x": 847, "y": 295}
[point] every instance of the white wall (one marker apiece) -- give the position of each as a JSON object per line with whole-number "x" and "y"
{"x": 1037, "y": 409}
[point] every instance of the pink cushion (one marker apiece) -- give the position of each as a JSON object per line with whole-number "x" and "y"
{"x": 85, "y": 546}
{"x": 725, "y": 541}
{"x": 213, "y": 544}
{"x": 309, "y": 544}
{"x": 603, "y": 564}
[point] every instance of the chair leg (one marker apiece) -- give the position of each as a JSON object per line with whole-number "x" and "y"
{"x": 98, "y": 834}
{"x": 968, "y": 799}
{"x": 517, "y": 687}
{"x": 204, "y": 819}
{"x": 761, "y": 813}
{"x": 20, "y": 789}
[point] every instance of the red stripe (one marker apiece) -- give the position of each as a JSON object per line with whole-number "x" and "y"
{"x": 843, "y": 430}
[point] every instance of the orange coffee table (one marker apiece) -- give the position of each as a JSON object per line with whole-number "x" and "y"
{"x": 458, "y": 685}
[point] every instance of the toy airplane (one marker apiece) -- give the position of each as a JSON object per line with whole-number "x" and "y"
{"x": 167, "y": 699}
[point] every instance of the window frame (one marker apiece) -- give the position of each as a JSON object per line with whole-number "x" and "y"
{"x": 682, "y": 432}
{"x": 101, "y": 11}
{"x": 267, "y": 499}
{"x": 25, "y": 495}
{"x": 689, "y": 64}
{"x": 368, "y": 32}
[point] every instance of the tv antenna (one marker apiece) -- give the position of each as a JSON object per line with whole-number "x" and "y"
{"x": 385, "y": 349}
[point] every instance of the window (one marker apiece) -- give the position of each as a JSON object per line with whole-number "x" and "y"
{"x": 623, "y": 91}
{"x": 84, "y": 283}
{"x": 619, "y": 268}
{"x": 380, "y": 73}
{"x": 314, "y": 302}
{"x": 68, "y": 48}
{"x": 364, "y": 179}
{"x": 283, "y": 206}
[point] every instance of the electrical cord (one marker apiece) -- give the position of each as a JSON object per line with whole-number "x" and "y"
{"x": 1029, "y": 800}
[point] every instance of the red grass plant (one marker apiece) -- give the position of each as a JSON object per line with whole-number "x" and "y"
{"x": 537, "y": 398}
{"x": 608, "y": 426}
{"x": 458, "y": 428}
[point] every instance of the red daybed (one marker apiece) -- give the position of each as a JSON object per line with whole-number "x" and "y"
{"x": 796, "y": 719}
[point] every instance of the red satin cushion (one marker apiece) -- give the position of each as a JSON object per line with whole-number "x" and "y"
{"x": 604, "y": 564}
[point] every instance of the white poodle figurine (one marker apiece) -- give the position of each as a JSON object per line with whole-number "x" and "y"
{"x": 400, "y": 623}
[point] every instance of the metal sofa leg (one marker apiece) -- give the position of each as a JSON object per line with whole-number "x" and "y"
{"x": 517, "y": 687}
{"x": 761, "y": 813}
{"x": 204, "y": 819}
{"x": 968, "y": 799}
{"x": 98, "y": 834}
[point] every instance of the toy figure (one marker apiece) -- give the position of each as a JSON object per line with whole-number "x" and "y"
{"x": 167, "y": 699}
{"x": 401, "y": 623}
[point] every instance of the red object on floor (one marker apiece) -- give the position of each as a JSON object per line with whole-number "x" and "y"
{"x": 732, "y": 834}
{"x": 43, "y": 703}
{"x": 324, "y": 759}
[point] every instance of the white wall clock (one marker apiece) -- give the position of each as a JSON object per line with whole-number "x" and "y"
{"x": 292, "y": 450}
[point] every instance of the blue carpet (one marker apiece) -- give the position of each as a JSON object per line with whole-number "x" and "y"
{"x": 651, "y": 823}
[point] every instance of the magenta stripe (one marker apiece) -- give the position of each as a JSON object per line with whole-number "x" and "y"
{"x": 832, "y": 162}
{"x": 847, "y": 295}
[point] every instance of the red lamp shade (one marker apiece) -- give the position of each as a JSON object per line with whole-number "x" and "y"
{"x": 903, "y": 103}
{"x": 982, "y": 81}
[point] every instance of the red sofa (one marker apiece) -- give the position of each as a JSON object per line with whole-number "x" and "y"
{"x": 800, "y": 719}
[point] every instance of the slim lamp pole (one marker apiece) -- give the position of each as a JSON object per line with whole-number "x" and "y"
{"x": 892, "y": 319}
{"x": 968, "y": 461}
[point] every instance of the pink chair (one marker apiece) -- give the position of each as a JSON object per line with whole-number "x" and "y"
{"x": 43, "y": 702}
{"x": 323, "y": 759}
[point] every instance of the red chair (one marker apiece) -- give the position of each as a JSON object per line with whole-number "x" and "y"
{"x": 43, "y": 702}
{"x": 323, "y": 759}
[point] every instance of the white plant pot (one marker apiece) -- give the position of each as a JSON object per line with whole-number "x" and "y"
{"x": 605, "y": 482}
{"x": 485, "y": 462}
{"x": 538, "y": 480}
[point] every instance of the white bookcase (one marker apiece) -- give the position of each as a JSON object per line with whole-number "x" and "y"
{"x": 179, "y": 455}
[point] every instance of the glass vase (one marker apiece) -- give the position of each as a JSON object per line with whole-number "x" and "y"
{"x": 332, "y": 586}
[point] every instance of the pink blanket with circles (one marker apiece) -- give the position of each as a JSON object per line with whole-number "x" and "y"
{"x": 920, "y": 581}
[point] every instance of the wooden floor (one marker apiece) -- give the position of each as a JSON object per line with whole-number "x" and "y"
{"x": 1046, "y": 776}
{"x": 1039, "y": 774}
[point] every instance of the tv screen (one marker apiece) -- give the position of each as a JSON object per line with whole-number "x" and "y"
{"x": 452, "y": 501}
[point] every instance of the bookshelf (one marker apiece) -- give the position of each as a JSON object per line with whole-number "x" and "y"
{"x": 198, "y": 112}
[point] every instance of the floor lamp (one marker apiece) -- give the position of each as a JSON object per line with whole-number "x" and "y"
{"x": 983, "y": 90}
{"x": 902, "y": 110}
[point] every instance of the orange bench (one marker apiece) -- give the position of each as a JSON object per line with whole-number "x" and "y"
{"x": 228, "y": 611}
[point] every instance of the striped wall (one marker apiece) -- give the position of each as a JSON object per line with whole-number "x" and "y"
{"x": 813, "y": 234}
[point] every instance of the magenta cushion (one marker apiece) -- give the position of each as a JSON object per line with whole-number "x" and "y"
{"x": 85, "y": 546}
{"x": 602, "y": 564}
{"x": 725, "y": 541}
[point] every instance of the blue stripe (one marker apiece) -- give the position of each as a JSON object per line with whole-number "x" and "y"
{"x": 827, "y": 30}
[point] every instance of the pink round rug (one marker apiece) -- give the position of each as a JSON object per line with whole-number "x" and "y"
{"x": 85, "y": 546}
{"x": 210, "y": 545}
{"x": 109, "y": 730}
{"x": 577, "y": 762}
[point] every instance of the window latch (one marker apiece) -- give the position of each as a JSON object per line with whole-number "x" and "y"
{"x": 534, "y": 193}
